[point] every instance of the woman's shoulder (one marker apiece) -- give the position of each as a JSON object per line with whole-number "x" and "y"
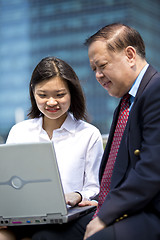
{"x": 24, "y": 131}
{"x": 29, "y": 123}
{"x": 80, "y": 126}
{"x": 88, "y": 126}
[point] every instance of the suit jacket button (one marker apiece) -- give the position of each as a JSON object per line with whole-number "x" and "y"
{"x": 137, "y": 152}
{"x": 125, "y": 215}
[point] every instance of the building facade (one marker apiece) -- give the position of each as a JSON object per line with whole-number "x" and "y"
{"x": 33, "y": 29}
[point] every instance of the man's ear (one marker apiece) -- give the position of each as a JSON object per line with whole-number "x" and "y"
{"x": 131, "y": 55}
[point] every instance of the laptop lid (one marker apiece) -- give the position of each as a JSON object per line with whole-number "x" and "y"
{"x": 30, "y": 186}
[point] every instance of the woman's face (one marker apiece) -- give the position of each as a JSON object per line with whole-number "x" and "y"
{"x": 53, "y": 98}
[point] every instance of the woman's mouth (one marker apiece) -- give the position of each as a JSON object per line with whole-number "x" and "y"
{"x": 52, "y": 110}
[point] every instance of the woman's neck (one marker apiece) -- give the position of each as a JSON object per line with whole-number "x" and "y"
{"x": 49, "y": 125}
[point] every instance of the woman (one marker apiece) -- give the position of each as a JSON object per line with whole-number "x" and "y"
{"x": 57, "y": 114}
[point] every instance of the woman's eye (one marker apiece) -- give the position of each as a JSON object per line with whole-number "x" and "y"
{"x": 42, "y": 95}
{"x": 60, "y": 94}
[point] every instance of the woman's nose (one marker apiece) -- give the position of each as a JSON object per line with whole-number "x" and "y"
{"x": 52, "y": 101}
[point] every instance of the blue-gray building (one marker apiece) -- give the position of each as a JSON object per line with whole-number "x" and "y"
{"x": 33, "y": 29}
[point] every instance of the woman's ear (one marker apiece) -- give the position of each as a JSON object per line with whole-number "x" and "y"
{"x": 131, "y": 55}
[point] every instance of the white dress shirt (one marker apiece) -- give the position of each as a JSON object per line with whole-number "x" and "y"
{"x": 78, "y": 146}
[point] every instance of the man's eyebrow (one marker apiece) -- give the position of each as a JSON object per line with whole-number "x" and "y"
{"x": 96, "y": 62}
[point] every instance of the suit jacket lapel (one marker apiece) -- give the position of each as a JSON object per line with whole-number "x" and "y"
{"x": 121, "y": 163}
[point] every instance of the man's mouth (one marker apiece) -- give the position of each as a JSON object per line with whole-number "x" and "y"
{"x": 106, "y": 84}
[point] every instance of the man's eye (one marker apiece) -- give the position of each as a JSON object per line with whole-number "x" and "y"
{"x": 102, "y": 65}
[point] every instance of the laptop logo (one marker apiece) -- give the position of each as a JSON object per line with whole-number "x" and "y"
{"x": 17, "y": 183}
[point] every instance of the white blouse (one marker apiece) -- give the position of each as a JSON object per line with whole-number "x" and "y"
{"x": 78, "y": 146}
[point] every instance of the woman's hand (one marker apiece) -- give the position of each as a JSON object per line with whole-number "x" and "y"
{"x": 73, "y": 198}
{"x": 88, "y": 203}
{"x": 3, "y": 227}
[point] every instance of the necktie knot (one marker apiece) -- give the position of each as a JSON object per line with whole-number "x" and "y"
{"x": 126, "y": 98}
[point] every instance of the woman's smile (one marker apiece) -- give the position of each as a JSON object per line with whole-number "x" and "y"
{"x": 52, "y": 110}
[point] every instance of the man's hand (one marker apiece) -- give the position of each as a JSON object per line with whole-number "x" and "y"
{"x": 72, "y": 198}
{"x": 94, "y": 226}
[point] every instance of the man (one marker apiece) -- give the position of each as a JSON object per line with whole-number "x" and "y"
{"x": 129, "y": 201}
{"x": 132, "y": 207}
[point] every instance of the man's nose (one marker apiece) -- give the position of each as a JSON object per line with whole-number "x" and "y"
{"x": 99, "y": 74}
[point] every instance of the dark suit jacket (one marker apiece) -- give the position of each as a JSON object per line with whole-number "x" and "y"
{"x": 135, "y": 183}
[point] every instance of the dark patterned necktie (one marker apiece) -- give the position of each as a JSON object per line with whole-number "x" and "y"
{"x": 120, "y": 127}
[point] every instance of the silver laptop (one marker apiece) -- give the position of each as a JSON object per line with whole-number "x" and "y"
{"x": 30, "y": 186}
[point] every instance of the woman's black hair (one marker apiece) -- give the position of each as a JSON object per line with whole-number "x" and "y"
{"x": 51, "y": 67}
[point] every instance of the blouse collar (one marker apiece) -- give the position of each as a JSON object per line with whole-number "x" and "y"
{"x": 68, "y": 125}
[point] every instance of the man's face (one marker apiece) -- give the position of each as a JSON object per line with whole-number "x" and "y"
{"x": 113, "y": 70}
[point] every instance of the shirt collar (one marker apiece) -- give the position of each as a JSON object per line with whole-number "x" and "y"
{"x": 137, "y": 82}
{"x": 69, "y": 124}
